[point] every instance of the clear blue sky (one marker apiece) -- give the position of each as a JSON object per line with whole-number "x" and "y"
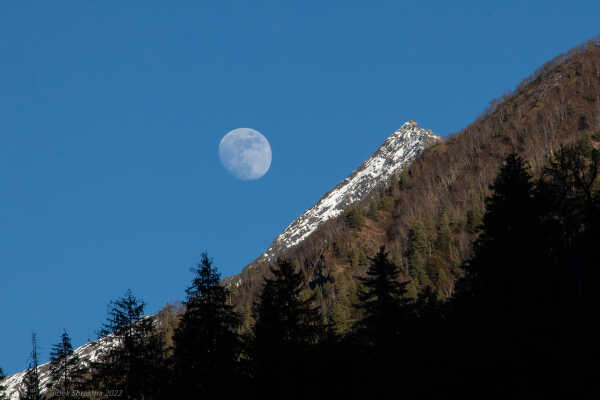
{"x": 111, "y": 113}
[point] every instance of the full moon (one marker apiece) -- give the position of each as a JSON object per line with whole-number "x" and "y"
{"x": 245, "y": 153}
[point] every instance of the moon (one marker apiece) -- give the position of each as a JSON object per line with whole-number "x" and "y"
{"x": 245, "y": 153}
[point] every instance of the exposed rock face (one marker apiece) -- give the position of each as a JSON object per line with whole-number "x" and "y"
{"x": 398, "y": 151}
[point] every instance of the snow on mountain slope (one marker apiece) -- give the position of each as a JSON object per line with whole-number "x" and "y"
{"x": 87, "y": 353}
{"x": 396, "y": 152}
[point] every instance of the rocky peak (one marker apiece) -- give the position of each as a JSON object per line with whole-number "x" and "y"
{"x": 396, "y": 152}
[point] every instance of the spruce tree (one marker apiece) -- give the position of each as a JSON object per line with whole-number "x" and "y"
{"x": 207, "y": 346}
{"x": 504, "y": 263}
{"x": 65, "y": 370}
{"x": 383, "y": 301}
{"x": 31, "y": 389}
{"x": 286, "y": 327}
{"x": 495, "y": 302}
{"x": 568, "y": 195}
{"x": 385, "y": 324}
{"x": 132, "y": 363}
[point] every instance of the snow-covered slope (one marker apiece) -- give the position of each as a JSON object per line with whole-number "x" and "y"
{"x": 87, "y": 353}
{"x": 398, "y": 151}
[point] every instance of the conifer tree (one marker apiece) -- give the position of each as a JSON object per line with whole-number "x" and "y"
{"x": 383, "y": 301}
{"x": 31, "y": 389}
{"x": 495, "y": 305}
{"x": 502, "y": 268}
{"x": 286, "y": 326}
{"x": 132, "y": 364}
{"x": 207, "y": 346}
{"x": 65, "y": 370}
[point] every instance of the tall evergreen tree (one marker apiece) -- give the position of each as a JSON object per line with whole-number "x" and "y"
{"x": 286, "y": 326}
{"x": 207, "y": 346}
{"x": 568, "y": 195}
{"x": 65, "y": 370}
{"x": 132, "y": 364}
{"x": 502, "y": 254}
{"x": 497, "y": 297}
{"x": 383, "y": 301}
{"x": 31, "y": 389}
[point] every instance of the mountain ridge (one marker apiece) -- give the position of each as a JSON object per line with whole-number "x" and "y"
{"x": 402, "y": 147}
{"x": 558, "y": 107}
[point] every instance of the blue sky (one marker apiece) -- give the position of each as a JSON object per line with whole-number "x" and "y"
{"x": 111, "y": 114}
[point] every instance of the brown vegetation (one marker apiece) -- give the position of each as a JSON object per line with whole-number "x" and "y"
{"x": 429, "y": 217}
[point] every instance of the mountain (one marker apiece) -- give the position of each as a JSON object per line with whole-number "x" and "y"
{"x": 429, "y": 217}
{"x": 396, "y": 152}
{"x": 87, "y": 353}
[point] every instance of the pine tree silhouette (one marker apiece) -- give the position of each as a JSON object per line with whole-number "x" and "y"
{"x": 500, "y": 273}
{"x": 132, "y": 364}
{"x": 387, "y": 315}
{"x": 286, "y": 326}
{"x": 568, "y": 196}
{"x": 65, "y": 370}
{"x": 496, "y": 300}
{"x": 207, "y": 345}
{"x": 385, "y": 308}
{"x": 31, "y": 389}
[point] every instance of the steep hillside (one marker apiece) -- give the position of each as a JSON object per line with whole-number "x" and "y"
{"x": 428, "y": 218}
{"x": 429, "y": 215}
{"x": 396, "y": 153}
{"x": 88, "y": 353}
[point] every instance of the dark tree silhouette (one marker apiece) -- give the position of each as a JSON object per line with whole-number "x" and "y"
{"x": 568, "y": 196}
{"x": 286, "y": 326}
{"x": 132, "y": 363}
{"x": 66, "y": 371}
{"x": 207, "y": 346}
{"x": 31, "y": 389}
{"x": 387, "y": 317}
{"x": 502, "y": 268}
{"x": 385, "y": 307}
{"x": 498, "y": 301}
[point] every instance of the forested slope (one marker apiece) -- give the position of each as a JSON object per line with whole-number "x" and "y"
{"x": 429, "y": 216}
